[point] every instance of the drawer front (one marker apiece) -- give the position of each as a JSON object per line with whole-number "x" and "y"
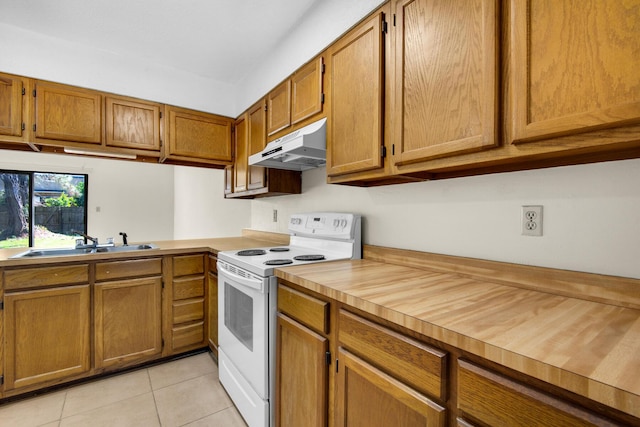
{"x": 311, "y": 311}
{"x": 185, "y": 265}
{"x": 189, "y": 335}
{"x": 46, "y": 276}
{"x": 129, "y": 268}
{"x": 213, "y": 264}
{"x": 417, "y": 364}
{"x": 188, "y": 311}
{"x": 188, "y": 287}
{"x": 496, "y": 400}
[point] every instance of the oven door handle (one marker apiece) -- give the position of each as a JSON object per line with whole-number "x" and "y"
{"x": 252, "y": 283}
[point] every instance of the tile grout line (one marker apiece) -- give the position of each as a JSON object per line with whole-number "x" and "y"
{"x": 153, "y": 394}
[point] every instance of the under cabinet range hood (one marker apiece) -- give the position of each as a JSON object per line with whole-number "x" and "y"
{"x": 305, "y": 148}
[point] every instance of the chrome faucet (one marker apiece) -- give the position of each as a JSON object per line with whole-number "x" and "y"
{"x": 124, "y": 238}
{"x": 84, "y": 245}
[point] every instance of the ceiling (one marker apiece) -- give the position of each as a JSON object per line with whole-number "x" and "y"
{"x": 216, "y": 39}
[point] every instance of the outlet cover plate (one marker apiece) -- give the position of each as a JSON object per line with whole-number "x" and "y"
{"x": 532, "y": 220}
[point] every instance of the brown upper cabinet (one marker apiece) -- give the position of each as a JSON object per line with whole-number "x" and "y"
{"x": 194, "y": 136}
{"x": 132, "y": 123}
{"x": 574, "y": 70}
{"x": 67, "y": 113}
{"x": 256, "y": 181}
{"x": 297, "y": 99}
{"x": 12, "y": 92}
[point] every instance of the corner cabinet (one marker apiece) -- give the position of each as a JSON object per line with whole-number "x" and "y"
{"x": 194, "y": 137}
{"x": 249, "y": 181}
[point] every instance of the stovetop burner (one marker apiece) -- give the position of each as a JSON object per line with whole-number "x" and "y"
{"x": 281, "y": 249}
{"x": 309, "y": 257}
{"x": 278, "y": 262}
{"x": 251, "y": 252}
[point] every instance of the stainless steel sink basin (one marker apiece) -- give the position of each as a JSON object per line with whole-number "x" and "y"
{"x": 37, "y": 253}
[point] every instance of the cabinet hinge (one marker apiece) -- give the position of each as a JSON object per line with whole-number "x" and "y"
{"x": 322, "y": 69}
{"x": 322, "y": 99}
{"x": 1, "y": 305}
{"x": 24, "y": 126}
{"x": 24, "y": 91}
{"x": 34, "y": 93}
{"x": 1, "y": 379}
{"x": 162, "y": 343}
{"x": 327, "y": 356}
{"x": 384, "y": 151}
{"x": 393, "y": 149}
{"x": 160, "y": 114}
{"x": 337, "y": 365}
{"x": 394, "y": 19}
{"x": 162, "y": 279}
{"x": 34, "y": 127}
{"x": 384, "y": 27}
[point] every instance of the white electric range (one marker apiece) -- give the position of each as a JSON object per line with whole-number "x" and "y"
{"x": 247, "y": 302}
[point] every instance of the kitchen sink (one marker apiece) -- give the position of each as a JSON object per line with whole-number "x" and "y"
{"x": 37, "y": 253}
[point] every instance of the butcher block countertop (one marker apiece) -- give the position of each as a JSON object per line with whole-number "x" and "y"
{"x": 587, "y": 343}
{"x": 249, "y": 239}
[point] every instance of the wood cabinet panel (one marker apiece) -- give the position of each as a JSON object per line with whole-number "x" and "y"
{"x": 47, "y": 335}
{"x": 355, "y": 124}
{"x": 68, "y": 113}
{"x": 420, "y": 366}
{"x": 128, "y": 323}
{"x": 212, "y": 311}
{"x": 11, "y": 88}
{"x": 198, "y": 136}
{"x": 309, "y": 310}
{"x": 241, "y": 164}
{"x": 188, "y": 287}
{"x": 132, "y": 123}
{"x": 367, "y": 396}
{"x": 188, "y": 310}
{"x": 120, "y": 269}
{"x": 279, "y": 108}
{"x": 184, "y": 265}
{"x": 498, "y": 401}
{"x": 36, "y": 277}
{"x": 301, "y": 375}
{"x": 186, "y": 336}
{"x": 574, "y": 66}
{"x": 446, "y": 78}
{"x": 256, "y": 140}
{"x": 306, "y": 91}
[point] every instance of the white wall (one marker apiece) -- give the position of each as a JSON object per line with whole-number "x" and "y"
{"x": 136, "y": 198}
{"x": 200, "y": 207}
{"x": 34, "y": 55}
{"x": 591, "y": 215}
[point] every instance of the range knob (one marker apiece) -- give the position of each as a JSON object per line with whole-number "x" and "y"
{"x": 336, "y": 223}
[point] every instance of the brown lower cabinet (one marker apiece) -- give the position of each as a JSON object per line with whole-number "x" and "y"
{"x": 71, "y": 320}
{"x": 212, "y": 305}
{"x": 336, "y": 366}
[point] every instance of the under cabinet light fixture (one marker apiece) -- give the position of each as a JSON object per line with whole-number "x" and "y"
{"x": 100, "y": 153}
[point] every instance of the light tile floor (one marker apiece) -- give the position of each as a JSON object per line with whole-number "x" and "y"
{"x": 183, "y": 392}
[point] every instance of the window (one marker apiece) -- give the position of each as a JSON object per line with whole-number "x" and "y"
{"x": 41, "y": 209}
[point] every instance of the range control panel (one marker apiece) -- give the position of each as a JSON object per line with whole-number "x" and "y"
{"x": 325, "y": 224}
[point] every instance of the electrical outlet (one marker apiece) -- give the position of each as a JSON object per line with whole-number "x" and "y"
{"x": 275, "y": 215}
{"x": 532, "y": 220}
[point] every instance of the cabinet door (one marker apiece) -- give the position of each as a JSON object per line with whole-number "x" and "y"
{"x": 132, "y": 124}
{"x": 279, "y": 108}
{"x": 306, "y": 91}
{"x": 47, "y": 335}
{"x": 366, "y": 396}
{"x": 228, "y": 179}
{"x": 445, "y": 95}
{"x": 68, "y": 113}
{"x": 573, "y": 66}
{"x": 301, "y": 375}
{"x": 128, "y": 323}
{"x": 11, "y": 105}
{"x": 355, "y": 125}
{"x": 198, "y": 136}
{"x": 212, "y": 310}
{"x": 257, "y": 138}
{"x": 240, "y": 165}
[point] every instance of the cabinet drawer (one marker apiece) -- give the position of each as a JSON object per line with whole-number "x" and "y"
{"x": 188, "y": 310}
{"x": 415, "y": 363}
{"x": 311, "y": 311}
{"x": 46, "y": 276}
{"x": 129, "y": 268}
{"x": 184, "y": 336}
{"x": 187, "y": 265}
{"x": 188, "y": 287}
{"x": 496, "y": 400}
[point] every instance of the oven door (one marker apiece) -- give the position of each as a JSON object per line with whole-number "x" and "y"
{"x": 242, "y": 324}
